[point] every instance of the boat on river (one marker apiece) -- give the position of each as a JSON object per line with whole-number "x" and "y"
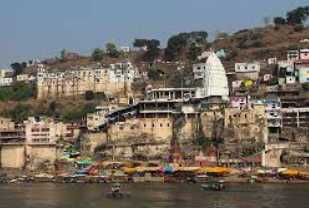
{"x": 214, "y": 186}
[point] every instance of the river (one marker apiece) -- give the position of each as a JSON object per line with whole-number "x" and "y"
{"x": 146, "y": 195}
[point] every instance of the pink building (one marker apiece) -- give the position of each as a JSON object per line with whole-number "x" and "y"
{"x": 239, "y": 102}
{"x": 304, "y": 54}
{"x": 267, "y": 77}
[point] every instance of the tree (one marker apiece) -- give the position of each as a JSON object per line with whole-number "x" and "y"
{"x": 24, "y": 65}
{"x": 152, "y": 45}
{"x": 298, "y": 27}
{"x": 89, "y": 95}
{"x": 279, "y": 21}
{"x": 20, "y": 112}
{"x": 111, "y": 50}
{"x": 17, "y": 67}
{"x": 63, "y": 54}
{"x": 97, "y": 54}
{"x": 178, "y": 42}
{"x": 18, "y": 92}
{"x": 193, "y": 52}
{"x": 154, "y": 74}
{"x": 221, "y": 35}
{"x": 297, "y": 16}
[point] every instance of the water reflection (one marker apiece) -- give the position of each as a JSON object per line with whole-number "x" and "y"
{"x": 152, "y": 195}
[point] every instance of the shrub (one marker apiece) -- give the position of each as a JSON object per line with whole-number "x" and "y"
{"x": 279, "y": 21}
{"x": 18, "y": 92}
{"x": 19, "y": 113}
{"x": 89, "y": 95}
{"x": 298, "y": 28}
{"x": 154, "y": 74}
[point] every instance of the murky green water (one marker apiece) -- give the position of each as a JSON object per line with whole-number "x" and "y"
{"x": 152, "y": 195}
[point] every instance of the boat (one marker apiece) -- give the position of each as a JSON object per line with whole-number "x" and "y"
{"x": 199, "y": 179}
{"x": 214, "y": 186}
{"x": 116, "y": 193}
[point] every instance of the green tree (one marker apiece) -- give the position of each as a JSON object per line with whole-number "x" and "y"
{"x": 154, "y": 74}
{"x": 298, "y": 27}
{"x": 279, "y": 21}
{"x": 19, "y": 113}
{"x": 297, "y": 16}
{"x": 194, "y": 52}
{"x": 18, "y": 91}
{"x": 111, "y": 50}
{"x": 177, "y": 42}
{"x": 17, "y": 67}
{"x": 63, "y": 54}
{"x": 97, "y": 54}
{"x": 89, "y": 95}
{"x": 221, "y": 35}
{"x": 152, "y": 45}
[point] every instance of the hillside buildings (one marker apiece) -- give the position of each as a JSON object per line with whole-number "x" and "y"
{"x": 116, "y": 79}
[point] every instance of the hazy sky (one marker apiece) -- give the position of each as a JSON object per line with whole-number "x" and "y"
{"x": 35, "y": 29}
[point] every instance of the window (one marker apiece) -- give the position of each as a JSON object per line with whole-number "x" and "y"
{"x": 161, "y": 125}
{"x": 145, "y": 125}
{"x": 153, "y": 125}
{"x": 168, "y": 124}
{"x": 245, "y": 115}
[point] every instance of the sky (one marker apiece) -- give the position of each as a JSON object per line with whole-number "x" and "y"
{"x": 37, "y": 29}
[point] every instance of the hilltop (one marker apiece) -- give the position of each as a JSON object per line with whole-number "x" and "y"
{"x": 262, "y": 43}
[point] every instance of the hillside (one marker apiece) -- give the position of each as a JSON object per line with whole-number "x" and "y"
{"x": 245, "y": 45}
{"x": 262, "y": 43}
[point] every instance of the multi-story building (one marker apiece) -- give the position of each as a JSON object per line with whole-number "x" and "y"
{"x": 239, "y": 102}
{"x": 22, "y": 78}
{"x": 295, "y": 117}
{"x": 44, "y": 131}
{"x": 304, "y": 54}
{"x": 292, "y": 55}
{"x": 247, "y": 70}
{"x": 246, "y": 124}
{"x": 274, "y": 118}
{"x": 117, "y": 78}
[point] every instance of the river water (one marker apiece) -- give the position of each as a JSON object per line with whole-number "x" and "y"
{"x": 49, "y": 195}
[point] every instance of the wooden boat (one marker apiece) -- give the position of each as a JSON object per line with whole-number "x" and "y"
{"x": 199, "y": 179}
{"x": 214, "y": 186}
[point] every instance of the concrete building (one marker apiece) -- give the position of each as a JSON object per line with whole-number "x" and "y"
{"x": 274, "y": 118}
{"x": 118, "y": 78}
{"x": 44, "y": 131}
{"x": 304, "y": 54}
{"x": 12, "y": 148}
{"x": 293, "y": 55}
{"x": 247, "y": 70}
{"x": 239, "y": 102}
{"x": 272, "y": 61}
{"x": 295, "y": 117}
{"x": 7, "y": 81}
{"x": 22, "y": 78}
{"x": 247, "y": 124}
{"x": 6, "y": 123}
{"x": 286, "y": 68}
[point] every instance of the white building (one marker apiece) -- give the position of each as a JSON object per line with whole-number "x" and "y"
{"x": 6, "y": 81}
{"x": 213, "y": 76}
{"x": 22, "y": 77}
{"x": 247, "y": 67}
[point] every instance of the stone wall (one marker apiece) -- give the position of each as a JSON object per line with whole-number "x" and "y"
{"x": 12, "y": 156}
